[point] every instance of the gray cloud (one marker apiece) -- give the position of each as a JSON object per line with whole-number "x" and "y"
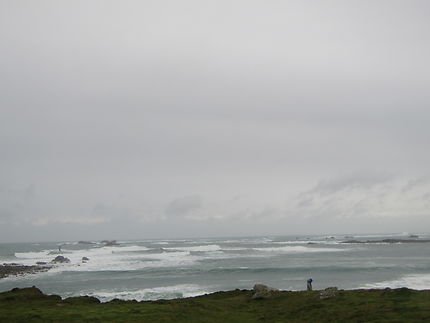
{"x": 118, "y": 113}
{"x": 185, "y": 206}
{"x": 351, "y": 181}
{"x": 349, "y": 197}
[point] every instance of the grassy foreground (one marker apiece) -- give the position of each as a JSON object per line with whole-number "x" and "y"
{"x": 390, "y": 305}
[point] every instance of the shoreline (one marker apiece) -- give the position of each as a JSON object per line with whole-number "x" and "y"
{"x": 34, "y": 292}
{"x": 329, "y": 305}
{"x": 14, "y": 269}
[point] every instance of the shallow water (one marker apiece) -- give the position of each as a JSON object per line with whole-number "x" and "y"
{"x": 154, "y": 269}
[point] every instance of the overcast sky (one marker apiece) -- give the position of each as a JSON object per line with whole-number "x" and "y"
{"x": 192, "y": 118}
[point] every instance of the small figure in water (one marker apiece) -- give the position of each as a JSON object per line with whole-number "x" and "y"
{"x": 59, "y": 248}
{"x": 309, "y": 283}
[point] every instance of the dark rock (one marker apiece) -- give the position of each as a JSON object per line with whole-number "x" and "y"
{"x": 390, "y": 241}
{"x": 262, "y": 292}
{"x": 29, "y": 293}
{"x": 110, "y": 243}
{"x": 353, "y": 241}
{"x": 41, "y": 263}
{"x": 16, "y": 269}
{"x": 85, "y": 242}
{"x": 60, "y": 259}
{"x": 84, "y": 259}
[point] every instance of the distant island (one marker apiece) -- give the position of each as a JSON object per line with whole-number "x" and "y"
{"x": 388, "y": 241}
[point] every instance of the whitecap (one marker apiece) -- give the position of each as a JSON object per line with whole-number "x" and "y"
{"x": 113, "y": 258}
{"x": 212, "y": 247}
{"x": 324, "y": 242}
{"x": 165, "y": 292}
{"x": 413, "y": 281}
{"x": 298, "y": 249}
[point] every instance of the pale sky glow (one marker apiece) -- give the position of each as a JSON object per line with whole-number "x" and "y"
{"x": 146, "y": 119}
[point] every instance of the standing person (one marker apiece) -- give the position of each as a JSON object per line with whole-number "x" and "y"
{"x": 309, "y": 285}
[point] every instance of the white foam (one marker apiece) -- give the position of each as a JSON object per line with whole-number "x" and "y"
{"x": 235, "y": 248}
{"x": 413, "y": 281}
{"x": 382, "y": 235}
{"x": 47, "y": 255}
{"x": 136, "y": 262}
{"x": 324, "y": 242}
{"x": 298, "y": 249}
{"x": 167, "y": 292}
{"x": 248, "y": 240}
{"x": 115, "y": 258}
{"x": 212, "y": 247}
{"x": 32, "y": 255}
{"x": 137, "y": 257}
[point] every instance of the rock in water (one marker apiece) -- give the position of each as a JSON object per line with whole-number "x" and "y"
{"x": 14, "y": 269}
{"x": 109, "y": 243}
{"x": 85, "y": 259}
{"x": 329, "y": 292}
{"x": 61, "y": 259}
{"x": 85, "y": 242}
{"x": 262, "y": 291}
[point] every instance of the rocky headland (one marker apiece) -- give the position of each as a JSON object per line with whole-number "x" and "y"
{"x": 13, "y": 269}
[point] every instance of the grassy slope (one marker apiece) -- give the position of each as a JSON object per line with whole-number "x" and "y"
{"x": 400, "y": 305}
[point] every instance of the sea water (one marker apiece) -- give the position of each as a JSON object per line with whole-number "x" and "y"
{"x": 164, "y": 269}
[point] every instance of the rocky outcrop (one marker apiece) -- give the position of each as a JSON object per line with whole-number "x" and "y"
{"x": 60, "y": 259}
{"x": 329, "y": 292}
{"x": 29, "y": 294}
{"x": 16, "y": 269}
{"x": 262, "y": 292}
{"x": 110, "y": 243}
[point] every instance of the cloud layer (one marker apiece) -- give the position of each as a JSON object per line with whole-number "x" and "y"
{"x": 162, "y": 118}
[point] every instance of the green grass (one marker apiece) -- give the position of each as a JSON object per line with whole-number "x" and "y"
{"x": 397, "y": 305}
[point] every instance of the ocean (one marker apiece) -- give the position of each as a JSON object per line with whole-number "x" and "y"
{"x": 165, "y": 269}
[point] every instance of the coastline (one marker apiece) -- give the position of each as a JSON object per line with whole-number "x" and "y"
{"x": 151, "y": 270}
{"x": 364, "y": 305}
{"x": 14, "y": 269}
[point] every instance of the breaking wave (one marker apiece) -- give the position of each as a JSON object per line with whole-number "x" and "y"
{"x": 413, "y": 281}
{"x": 212, "y": 247}
{"x": 298, "y": 249}
{"x": 167, "y": 292}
